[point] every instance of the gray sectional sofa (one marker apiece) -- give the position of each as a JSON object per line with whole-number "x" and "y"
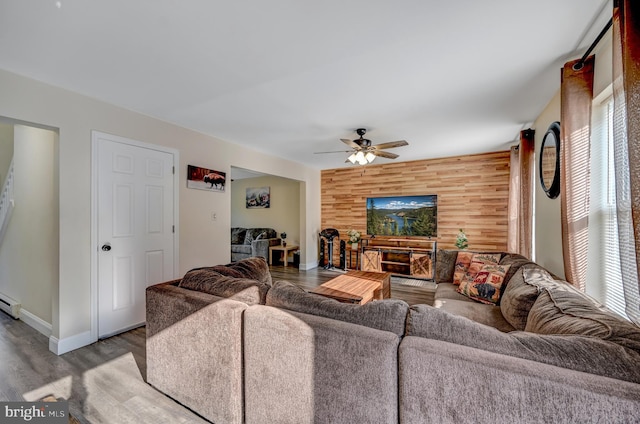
{"x": 250, "y": 242}
{"x": 236, "y": 347}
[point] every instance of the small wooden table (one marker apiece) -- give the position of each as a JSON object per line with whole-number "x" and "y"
{"x": 285, "y": 252}
{"x": 357, "y": 287}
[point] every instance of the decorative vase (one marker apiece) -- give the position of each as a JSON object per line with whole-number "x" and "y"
{"x": 354, "y": 246}
{"x": 284, "y": 243}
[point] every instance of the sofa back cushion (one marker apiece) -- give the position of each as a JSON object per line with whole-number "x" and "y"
{"x": 238, "y": 235}
{"x": 253, "y": 268}
{"x": 579, "y": 353}
{"x": 562, "y": 309}
{"x": 519, "y": 296}
{"x": 249, "y": 291}
{"x": 388, "y": 314}
{"x": 259, "y": 234}
{"x": 515, "y": 261}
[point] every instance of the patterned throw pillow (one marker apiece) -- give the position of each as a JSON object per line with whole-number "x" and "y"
{"x": 486, "y": 287}
{"x": 477, "y": 262}
{"x": 462, "y": 266}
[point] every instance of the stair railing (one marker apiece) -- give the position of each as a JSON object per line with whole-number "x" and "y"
{"x": 6, "y": 202}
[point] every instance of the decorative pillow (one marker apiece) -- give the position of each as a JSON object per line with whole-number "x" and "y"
{"x": 477, "y": 262}
{"x": 388, "y": 314}
{"x": 463, "y": 261}
{"x": 445, "y": 265}
{"x": 205, "y": 280}
{"x": 487, "y": 285}
{"x": 238, "y": 235}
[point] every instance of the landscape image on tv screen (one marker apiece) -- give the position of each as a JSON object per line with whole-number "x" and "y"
{"x": 403, "y": 216}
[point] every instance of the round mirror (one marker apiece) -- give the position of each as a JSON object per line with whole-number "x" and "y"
{"x": 550, "y": 161}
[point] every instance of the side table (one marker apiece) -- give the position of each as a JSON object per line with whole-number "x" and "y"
{"x": 285, "y": 252}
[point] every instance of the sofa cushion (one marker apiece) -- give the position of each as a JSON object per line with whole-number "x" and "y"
{"x": 580, "y": 353}
{"x": 562, "y": 309}
{"x": 205, "y": 280}
{"x": 449, "y": 291}
{"x": 487, "y": 285}
{"x": 388, "y": 314}
{"x": 484, "y": 314}
{"x": 445, "y": 265}
{"x": 241, "y": 248}
{"x": 253, "y": 268}
{"x": 238, "y": 235}
{"x": 518, "y": 298}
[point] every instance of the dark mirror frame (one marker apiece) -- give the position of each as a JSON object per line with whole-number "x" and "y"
{"x": 553, "y": 190}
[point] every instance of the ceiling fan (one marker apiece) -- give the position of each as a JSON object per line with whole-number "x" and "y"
{"x": 364, "y": 152}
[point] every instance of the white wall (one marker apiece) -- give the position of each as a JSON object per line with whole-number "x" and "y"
{"x": 29, "y": 251}
{"x": 202, "y": 242}
{"x": 6, "y": 149}
{"x": 548, "y": 231}
{"x": 284, "y": 213}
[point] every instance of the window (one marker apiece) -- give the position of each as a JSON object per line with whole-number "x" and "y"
{"x": 604, "y": 277}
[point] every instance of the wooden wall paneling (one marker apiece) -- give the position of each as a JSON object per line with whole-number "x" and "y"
{"x": 473, "y": 193}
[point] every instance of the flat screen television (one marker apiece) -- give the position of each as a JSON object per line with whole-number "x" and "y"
{"x": 403, "y": 216}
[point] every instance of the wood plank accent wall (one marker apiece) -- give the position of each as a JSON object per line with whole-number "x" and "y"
{"x": 473, "y": 193}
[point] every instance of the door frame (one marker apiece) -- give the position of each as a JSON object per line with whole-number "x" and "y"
{"x": 95, "y": 136}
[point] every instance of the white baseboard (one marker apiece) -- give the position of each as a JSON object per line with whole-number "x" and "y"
{"x": 60, "y": 346}
{"x": 35, "y": 322}
{"x": 309, "y": 265}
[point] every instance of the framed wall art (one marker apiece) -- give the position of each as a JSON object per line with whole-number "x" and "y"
{"x": 205, "y": 179}
{"x": 258, "y": 198}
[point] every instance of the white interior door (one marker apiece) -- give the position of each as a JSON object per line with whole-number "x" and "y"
{"x": 135, "y": 223}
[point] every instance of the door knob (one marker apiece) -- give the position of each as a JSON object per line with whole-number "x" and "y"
{"x": 106, "y": 247}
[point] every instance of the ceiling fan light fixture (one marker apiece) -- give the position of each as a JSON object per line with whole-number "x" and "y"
{"x": 352, "y": 158}
{"x": 369, "y": 157}
{"x": 360, "y": 158}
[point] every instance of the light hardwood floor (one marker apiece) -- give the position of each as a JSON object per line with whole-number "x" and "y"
{"x": 104, "y": 382}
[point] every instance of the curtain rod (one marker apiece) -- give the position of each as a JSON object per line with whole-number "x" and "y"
{"x": 579, "y": 64}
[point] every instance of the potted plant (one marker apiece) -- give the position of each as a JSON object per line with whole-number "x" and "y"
{"x": 354, "y": 238}
{"x": 461, "y": 240}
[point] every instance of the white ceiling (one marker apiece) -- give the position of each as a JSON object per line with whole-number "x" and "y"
{"x": 290, "y": 77}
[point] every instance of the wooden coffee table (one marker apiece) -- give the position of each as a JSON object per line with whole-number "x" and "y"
{"x": 357, "y": 287}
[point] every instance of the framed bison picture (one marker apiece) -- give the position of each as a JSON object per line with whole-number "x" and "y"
{"x": 205, "y": 179}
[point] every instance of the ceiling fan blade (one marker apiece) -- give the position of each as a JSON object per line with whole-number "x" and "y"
{"x": 391, "y": 144}
{"x": 350, "y": 143}
{"x": 333, "y": 151}
{"x": 384, "y": 154}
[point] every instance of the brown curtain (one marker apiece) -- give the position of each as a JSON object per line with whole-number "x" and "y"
{"x": 626, "y": 138}
{"x": 576, "y": 96}
{"x": 520, "y": 225}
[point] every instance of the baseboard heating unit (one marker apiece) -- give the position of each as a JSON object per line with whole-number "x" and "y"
{"x": 10, "y": 306}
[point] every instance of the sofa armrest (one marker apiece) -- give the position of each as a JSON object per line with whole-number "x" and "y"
{"x": 303, "y": 368}
{"x": 194, "y": 350}
{"x": 471, "y": 385}
{"x": 261, "y": 247}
